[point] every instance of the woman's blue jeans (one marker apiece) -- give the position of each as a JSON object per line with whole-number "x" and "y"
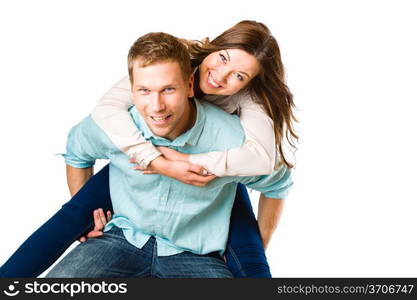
{"x": 245, "y": 255}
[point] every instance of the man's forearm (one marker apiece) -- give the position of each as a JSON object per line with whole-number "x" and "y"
{"x": 76, "y": 178}
{"x": 269, "y": 214}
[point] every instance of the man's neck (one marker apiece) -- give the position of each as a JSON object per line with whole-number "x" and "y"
{"x": 192, "y": 116}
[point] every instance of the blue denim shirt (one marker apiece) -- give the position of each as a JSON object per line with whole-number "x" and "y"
{"x": 181, "y": 217}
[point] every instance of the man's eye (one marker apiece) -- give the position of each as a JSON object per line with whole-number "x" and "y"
{"x": 143, "y": 91}
{"x": 169, "y": 90}
{"x": 223, "y": 58}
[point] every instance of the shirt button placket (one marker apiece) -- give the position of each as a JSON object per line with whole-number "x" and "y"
{"x": 162, "y": 201}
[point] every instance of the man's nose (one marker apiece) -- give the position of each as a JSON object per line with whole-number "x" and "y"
{"x": 157, "y": 102}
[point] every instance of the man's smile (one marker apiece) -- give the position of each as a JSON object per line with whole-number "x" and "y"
{"x": 161, "y": 120}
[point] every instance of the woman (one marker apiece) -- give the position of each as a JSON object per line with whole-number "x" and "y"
{"x": 265, "y": 106}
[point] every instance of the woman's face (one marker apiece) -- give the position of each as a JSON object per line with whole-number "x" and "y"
{"x": 225, "y": 72}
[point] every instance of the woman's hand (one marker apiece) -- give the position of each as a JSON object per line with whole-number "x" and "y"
{"x": 183, "y": 171}
{"x": 100, "y": 220}
{"x": 172, "y": 154}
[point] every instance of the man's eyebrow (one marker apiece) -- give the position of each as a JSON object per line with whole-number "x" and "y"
{"x": 170, "y": 85}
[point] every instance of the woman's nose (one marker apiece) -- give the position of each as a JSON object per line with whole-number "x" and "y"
{"x": 222, "y": 75}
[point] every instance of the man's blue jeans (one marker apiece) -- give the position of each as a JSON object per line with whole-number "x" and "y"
{"x": 111, "y": 255}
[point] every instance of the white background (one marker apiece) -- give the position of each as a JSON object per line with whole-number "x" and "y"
{"x": 351, "y": 66}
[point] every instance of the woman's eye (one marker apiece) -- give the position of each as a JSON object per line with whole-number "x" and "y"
{"x": 223, "y": 58}
{"x": 240, "y": 77}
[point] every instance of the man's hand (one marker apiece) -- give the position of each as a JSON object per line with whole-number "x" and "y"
{"x": 100, "y": 220}
{"x": 185, "y": 172}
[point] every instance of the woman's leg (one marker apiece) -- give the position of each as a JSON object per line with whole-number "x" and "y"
{"x": 245, "y": 255}
{"x": 73, "y": 220}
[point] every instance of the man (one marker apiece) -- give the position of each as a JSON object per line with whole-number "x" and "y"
{"x": 161, "y": 227}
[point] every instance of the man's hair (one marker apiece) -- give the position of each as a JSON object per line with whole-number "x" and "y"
{"x": 157, "y": 47}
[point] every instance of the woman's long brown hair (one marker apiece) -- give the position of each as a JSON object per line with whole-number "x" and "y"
{"x": 268, "y": 88}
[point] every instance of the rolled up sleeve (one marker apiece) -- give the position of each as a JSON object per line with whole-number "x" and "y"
{"x": 85, "y": 143}
{"x": 277, "y": 185}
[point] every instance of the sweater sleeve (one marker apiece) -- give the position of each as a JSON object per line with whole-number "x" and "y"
{"x": 257, "y": 156}
{"x": 112, "y": 116}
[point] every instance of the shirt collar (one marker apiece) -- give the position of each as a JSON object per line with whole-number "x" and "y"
{"x": 189, "y": 137}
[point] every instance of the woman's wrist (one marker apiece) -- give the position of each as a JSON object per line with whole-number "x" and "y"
{"x": 171, "y": 154}
{"x": 160, "y": 164}
{"x": 186, "y": 157}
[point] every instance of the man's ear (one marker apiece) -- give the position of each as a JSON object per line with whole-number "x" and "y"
{"x": 191, "y": 86}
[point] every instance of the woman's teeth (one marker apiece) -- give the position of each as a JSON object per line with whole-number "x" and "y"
{"x": 212, "y": 82}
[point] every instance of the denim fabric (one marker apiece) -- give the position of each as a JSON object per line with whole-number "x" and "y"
{"x": 51, "y": 240}
{"x": 113, "y": 256}
{"x": 245, "y": 255}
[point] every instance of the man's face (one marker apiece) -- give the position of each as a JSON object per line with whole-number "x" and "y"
{"x": 160, "y": 95}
